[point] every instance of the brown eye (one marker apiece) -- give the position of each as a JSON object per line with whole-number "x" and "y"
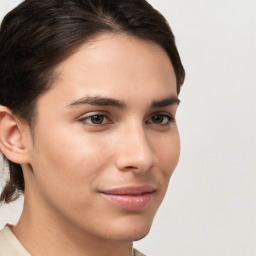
{"x": 160, "y": 119}
{"x": 95, "y": 120}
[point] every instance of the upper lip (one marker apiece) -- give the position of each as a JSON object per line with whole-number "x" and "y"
{"x": 130, "y": 190}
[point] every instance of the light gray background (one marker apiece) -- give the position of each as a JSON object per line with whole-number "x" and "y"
{"x": 210, "y": 207}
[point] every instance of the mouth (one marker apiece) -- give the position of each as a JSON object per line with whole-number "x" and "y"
{"x": 130, "y": 197}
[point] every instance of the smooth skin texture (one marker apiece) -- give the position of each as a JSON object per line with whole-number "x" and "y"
{"x": 107, "y": 122}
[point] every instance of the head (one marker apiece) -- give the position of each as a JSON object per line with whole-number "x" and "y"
{"x": 89, "y": 63}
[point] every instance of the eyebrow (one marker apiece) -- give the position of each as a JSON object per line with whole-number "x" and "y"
{"x": 173, "y": 100}
{"x": 99, "y": 101}
{"x": 105, "y": 101}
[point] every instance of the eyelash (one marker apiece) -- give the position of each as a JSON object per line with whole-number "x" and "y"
{"x": 165, "y": 117}
{"x": 85, "y": 119}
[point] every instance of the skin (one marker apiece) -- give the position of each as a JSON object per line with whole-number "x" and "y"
{"x": 70, "y": 157}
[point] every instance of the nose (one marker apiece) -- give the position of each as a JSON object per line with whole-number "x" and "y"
{"x": 134, "y": 151}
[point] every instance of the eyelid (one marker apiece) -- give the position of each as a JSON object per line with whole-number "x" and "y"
{"x": 83, "y": 117}
{"x": 163, "y": 113}
{"x": 168, "y": 115}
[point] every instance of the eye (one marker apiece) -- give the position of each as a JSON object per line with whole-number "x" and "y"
{"x": 161, "y": 119}
{"x": 98, "y": 119}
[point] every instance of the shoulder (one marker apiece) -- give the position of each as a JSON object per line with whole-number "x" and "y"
{"x": 10, "y": 245}
{"x": 137, "y": 253}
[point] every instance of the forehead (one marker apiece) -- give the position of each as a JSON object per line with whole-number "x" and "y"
{"x": 115, "y": 65}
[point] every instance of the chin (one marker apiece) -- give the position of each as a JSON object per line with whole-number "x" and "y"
{"x": 132, "y": 230}
{"x": 141, "y": 235}
{"x": 131, "y": 236}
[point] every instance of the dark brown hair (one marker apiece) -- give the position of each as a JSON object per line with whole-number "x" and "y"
{"x": 38, "y": 35}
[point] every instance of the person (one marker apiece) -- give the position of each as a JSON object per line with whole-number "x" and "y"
{"x": 88, "y": 97}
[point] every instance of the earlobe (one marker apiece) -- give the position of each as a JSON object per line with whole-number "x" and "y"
{"x": 11, "y": 143}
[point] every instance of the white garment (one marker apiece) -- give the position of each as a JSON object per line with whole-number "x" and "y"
{"x": 11, "y": 246}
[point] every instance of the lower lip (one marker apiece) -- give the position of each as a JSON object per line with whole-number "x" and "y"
{"x": 130, "y": 202}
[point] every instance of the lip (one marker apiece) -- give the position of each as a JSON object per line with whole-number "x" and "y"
{"x": 130, "y": 197}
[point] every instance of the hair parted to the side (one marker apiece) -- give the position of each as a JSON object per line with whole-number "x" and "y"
{"x": 38, "y": 35}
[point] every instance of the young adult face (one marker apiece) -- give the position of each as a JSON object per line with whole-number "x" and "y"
{"x": 105, "y": 142}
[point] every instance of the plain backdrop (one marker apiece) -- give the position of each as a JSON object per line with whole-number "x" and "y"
{"x": 210, "y": 207}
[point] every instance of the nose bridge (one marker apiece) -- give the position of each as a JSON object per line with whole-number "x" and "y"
{"x": 135, "y": 150}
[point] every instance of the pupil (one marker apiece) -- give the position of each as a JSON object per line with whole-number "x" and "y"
{"x": 158, "y": 119}
{"x": 97, "y": 119}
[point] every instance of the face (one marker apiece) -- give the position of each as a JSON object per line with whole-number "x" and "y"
{"x": 105, "y": 142}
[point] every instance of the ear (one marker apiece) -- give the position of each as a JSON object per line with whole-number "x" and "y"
{"x": 11, "y": 142}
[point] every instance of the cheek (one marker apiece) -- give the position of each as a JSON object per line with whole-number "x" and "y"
{"x": 167, "y": 150}
{"x": 66, "y": 166}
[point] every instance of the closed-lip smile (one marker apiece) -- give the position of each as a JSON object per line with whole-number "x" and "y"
{"x": 130, "y": 197}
